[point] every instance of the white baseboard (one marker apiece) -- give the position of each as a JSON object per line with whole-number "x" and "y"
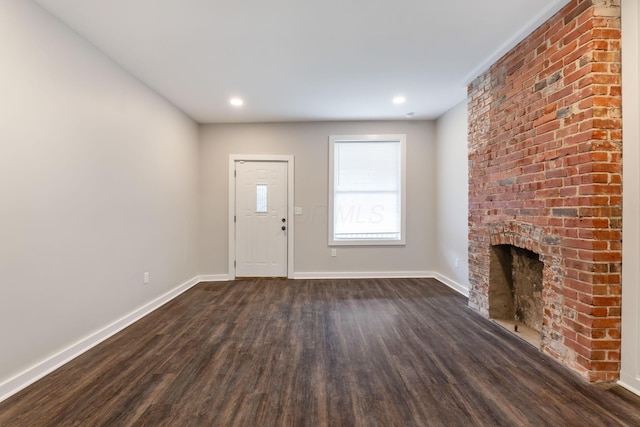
{"x": 34, "y": 373}
{"x": 364, "y": 275}
{"x": 452, "y": 284}
{"x": 214, "y": 278}
{"x": 386, "y": 274}
{"x": 630, "y": 382}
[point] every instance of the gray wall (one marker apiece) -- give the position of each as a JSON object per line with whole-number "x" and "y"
{"x": 308, "y": 142}
{"x": 452, "y": 198}
{"x": 98, "y": 184}
{"x": 630, "y": 370}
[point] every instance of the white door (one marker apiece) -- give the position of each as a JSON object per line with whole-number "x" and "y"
{"x": 261, "y": 218}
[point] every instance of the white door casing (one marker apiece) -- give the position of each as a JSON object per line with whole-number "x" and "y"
{"x": 260, "y": 197}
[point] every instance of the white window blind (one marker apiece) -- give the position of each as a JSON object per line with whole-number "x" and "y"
{"x": 367, "y": 198}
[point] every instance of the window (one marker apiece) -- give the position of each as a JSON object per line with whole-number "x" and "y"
{"x": 261, "y": 198}
{"x": 367, "y": 190}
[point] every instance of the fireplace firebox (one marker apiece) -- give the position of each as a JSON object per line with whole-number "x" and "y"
{"x": 515, "y": 291}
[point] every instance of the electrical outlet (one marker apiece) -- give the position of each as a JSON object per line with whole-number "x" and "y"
{"x": 333, "y": 252}
{"x": 146, "y": 278}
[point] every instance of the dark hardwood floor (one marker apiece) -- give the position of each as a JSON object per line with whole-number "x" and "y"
{"x": 270, "y": 352}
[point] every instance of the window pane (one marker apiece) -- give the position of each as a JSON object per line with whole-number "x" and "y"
{"x": 367, "y": 194}
{"x": 366, "y": 213}
{"x": 261, "y": 198}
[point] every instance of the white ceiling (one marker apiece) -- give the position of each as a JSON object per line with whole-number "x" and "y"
{"x": 293, "y": 60}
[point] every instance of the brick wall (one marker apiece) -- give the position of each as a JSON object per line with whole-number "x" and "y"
{"x": 545, "y": 175}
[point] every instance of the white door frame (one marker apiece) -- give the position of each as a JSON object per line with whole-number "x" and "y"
{"x": 233, "y": 158}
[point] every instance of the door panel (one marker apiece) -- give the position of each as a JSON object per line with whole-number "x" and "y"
{"x": 261, "y": 207}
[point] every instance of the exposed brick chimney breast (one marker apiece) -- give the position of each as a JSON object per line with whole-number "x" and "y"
{"x": 545, "y": 173}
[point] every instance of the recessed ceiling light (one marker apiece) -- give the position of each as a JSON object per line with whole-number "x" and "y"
{"x": 236, "y": 102}
{"x": 399, "y": 100}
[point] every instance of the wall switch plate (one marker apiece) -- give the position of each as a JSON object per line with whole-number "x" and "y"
{"x": 297, "y": 210}
{"x": 457, "y": 262}
{"x": 333, "y": 252}
{"x": 146, "y": 278}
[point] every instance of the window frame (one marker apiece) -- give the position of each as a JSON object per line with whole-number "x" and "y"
{"x": 397, "y": 138}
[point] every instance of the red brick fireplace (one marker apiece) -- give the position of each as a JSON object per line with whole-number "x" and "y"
{"x": 545, "y": 176}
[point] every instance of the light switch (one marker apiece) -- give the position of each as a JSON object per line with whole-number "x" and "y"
{"x": 297, "y": 210}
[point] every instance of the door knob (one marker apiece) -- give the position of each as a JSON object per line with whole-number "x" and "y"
{"x": 284, "y": 220}
{"x": 284, "y": 228}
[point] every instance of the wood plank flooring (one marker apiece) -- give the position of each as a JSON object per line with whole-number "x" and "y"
{"x": 273, "y": 352}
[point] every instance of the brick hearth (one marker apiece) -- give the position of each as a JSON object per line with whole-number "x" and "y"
{"x": 545, "y": 175}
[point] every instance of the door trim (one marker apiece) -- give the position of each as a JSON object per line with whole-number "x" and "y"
{"x": 289, "y": 159}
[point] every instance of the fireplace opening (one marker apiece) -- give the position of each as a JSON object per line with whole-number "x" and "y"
{"x": 515, "y": 291}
